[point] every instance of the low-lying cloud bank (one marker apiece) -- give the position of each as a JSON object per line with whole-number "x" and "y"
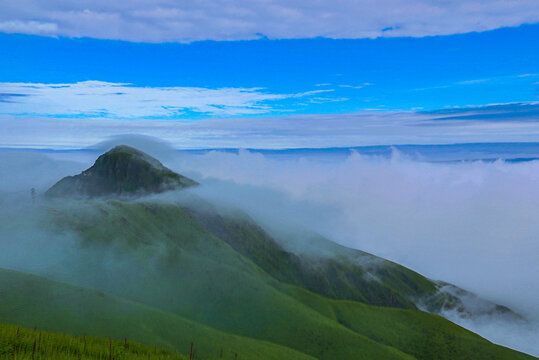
{"x": 473, "y": 224}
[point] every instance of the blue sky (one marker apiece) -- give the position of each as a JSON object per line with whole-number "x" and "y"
{"x": 401, "y": 73}
{"x": 88, "y": 79}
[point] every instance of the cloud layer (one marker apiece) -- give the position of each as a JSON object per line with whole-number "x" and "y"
{"x": 473, "y": 224}
{"x": 185, "y": 21}
{"x": 76, "y": 115}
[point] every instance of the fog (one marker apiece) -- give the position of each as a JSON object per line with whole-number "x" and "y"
{"x": 460, "y": 222}
{"x": 473, "y": 224}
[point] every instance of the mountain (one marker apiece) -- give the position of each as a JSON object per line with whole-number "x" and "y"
{"x": 160, "y": 255}
{"x": 324, "y": 267}
{"x": 122, "y": 171}
{"x": 166, "y": 273}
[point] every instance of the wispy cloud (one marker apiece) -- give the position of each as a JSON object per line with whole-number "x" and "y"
{"x": 120, "y": 100}
{"x": 471, "y": 82}
{"x": 352, "y": 86}
{"x": 185, "y": 21}
{"x": 501, "y": 112}
{"x": 322, "y": 100}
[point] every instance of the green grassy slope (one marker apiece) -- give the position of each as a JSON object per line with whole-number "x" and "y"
{"x": 20, "y": 343}
{"x": 160, "y": 255}
{"x": 32, "y": 301}
{"x": 423, "y": 335}
{"x": 324, "y": 267}
{"x": 345, "y": 274}
{"x": 197, "y": 276}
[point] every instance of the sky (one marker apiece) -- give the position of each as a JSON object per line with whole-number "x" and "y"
{"x": 276, "y": 74}
{"x": 268, "y": 74}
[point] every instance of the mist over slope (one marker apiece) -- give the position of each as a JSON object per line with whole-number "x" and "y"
{"x": 473, "y": 224}
{"x": 152, "y": 251}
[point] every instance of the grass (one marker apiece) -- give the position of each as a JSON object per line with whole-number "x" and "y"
{"x": 344, "y": 276}
{"x": 22, "y": 343}
{"x": 32, "y": 301}
{"x": 422, "y": 335}
{"x": 202, "y": 278}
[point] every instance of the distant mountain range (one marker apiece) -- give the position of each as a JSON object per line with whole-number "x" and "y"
{"x": 512, "y": 152}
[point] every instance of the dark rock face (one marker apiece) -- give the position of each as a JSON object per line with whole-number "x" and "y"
{"x": 122, "y": 171}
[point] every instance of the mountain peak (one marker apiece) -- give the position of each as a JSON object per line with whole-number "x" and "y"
{"x": 123, "y": 170}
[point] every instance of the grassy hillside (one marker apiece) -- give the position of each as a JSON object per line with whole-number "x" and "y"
{"x": 324, "y": 267}
{"x": 194, "y": 273}
{"x": 423, "y": 335}
{"x": 330, "y": 270}
{"x": 32, "y": 301}
{"x": 162, "y": 256}
{"x": 191, "y": 273}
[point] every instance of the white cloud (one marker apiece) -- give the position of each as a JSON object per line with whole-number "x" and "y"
{"x": 472, "y": 82}
{"x": 115, "y": 100}
{"x": 352, "y": 86}
{"x": 181, "y": 20}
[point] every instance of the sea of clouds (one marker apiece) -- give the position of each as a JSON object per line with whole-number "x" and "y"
{"x": 474, "y": 224}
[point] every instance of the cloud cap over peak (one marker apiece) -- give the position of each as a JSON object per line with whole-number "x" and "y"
{"x": 186, "y": 21}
